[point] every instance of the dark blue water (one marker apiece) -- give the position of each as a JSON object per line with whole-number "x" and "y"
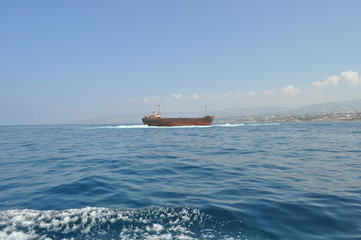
{"x": 229, "y": 181}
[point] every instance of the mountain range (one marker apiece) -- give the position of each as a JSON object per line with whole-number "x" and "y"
{"x": 344, "y": 106}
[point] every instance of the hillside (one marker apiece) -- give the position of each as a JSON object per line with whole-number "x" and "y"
{"x": 344, "y": 106}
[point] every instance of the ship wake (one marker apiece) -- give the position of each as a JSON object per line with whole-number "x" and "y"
{"x": 103, "y": 223}
{"x": 141, "y": 126}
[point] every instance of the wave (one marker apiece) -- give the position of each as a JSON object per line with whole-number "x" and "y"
{"x": 229, "y": 125}
{"x": 264, "y": 124}
{"x": 104, "y": 223}
{"x": 142, "y": 127}
{"x": 150, "y": 127}
{"x": 119, "y": 126}
{"x": 245, "y": 124}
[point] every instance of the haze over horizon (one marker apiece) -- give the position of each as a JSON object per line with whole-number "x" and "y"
{"x": 72, "y": 60}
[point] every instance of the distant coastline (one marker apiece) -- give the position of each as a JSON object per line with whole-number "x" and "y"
{"x": 276, "y": 117}
{"x": 343, "y": 116}
{"x": 309, "y": 117}
{"x": 330, "y": 111}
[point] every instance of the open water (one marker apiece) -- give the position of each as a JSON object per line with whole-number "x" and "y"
{"x": 226, "y": 181}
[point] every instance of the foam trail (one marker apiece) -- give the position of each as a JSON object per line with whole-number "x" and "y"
{"x": 143, "y": 127}
{"x": 177, "y": 127}
{"x": 103, "y": 223}
{"x": 229, "y": 125}
{"x": 245, "y": 124}
{"x": 264, "y": 124}
{"x": 118, "y": 127}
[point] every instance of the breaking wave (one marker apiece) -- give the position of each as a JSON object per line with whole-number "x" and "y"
{"x": 104, "y": 223}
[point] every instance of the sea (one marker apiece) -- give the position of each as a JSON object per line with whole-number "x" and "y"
{"x": 225, "y": 181}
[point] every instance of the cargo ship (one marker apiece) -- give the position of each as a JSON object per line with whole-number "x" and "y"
{"x": 156, "y": 119}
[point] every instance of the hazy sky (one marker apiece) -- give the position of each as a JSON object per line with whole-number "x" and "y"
{"x": 72, "y": 60}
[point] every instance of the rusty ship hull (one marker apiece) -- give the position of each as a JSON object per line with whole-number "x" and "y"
{"x": 170, "y": 122}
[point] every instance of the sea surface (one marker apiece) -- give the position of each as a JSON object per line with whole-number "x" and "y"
{"x": 225, "y": 181}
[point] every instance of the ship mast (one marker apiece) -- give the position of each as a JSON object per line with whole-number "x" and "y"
{"x": 206, "y": 110}
{"x": 158, "y": 107}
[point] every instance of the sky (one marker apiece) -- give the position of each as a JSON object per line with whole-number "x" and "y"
{"x": 63, "y": 61}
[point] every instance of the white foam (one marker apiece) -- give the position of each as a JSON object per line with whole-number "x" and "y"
{"x": 155, "y": 228}
{"x": 118, "y": 127}
{"x": 264, "y": 124}
{"x": 229, "y": 125}
{"x": 143, "y": 126}
{"x": 245, "y": 124}
{"x": 16, "y": 236}
{"x": 98, "y": 223}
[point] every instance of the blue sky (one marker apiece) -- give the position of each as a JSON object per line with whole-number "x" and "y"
{"x": 73, "y": 60}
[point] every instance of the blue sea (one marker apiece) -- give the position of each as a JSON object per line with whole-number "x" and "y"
{"x": 225, "y": 181}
